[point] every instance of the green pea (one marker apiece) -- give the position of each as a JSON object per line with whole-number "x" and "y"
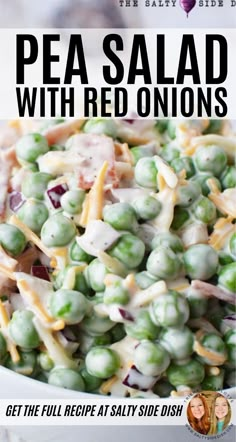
{"x": 212, "y": 342}
{"x": 145, "y": 173}
{"x": 86, "y": 341}
{"x": 184, "y": 163}
{"x": 177, "y": 341}
{"x": 3, "y": 347}
{"x": 172, "y": 124}
{"x": 12, "y": 239}
{"x": 101, "y": 126}
{"x": 163, "y": 388}
{"x": 232, "y": 245}
{"x": 205, "y": 210}
{"x": 22, "y": 330}
{"x": 198, "y": 303}
{"x": 72, "y": 201}
{"x": 34, "y": 214}
{"x": 69, "y": 305}
{"x": 129, "y": 250}
{"x": 188, "y": 193}
{"x": 213, "y": 383}
{"x": 45, "y": 362}
{"x": 169, "y": 153}
{"x": 102, "y": 362}
{"x": 116, "y": 294}
{"x": 224, "y": 258}
{"x": 227, "y": 277}
{"x": 211, "y": 159}
{"x": 142, "y": 327}
{"x": 35, "y": 184}
{"x": 66, "y": 378}
{"x": 78, "y": 254}
{"x": 147, "y": 207}
{"x": 92, "y": 383}
{"x": 144, "y": 279}
{"x": 201, "y": 261}
{"x": 170, "y": 310}
{"x": 95, "y": 273}
{"x": 58, "y": 231}
{"x": 168, "y": 240}
{"x": 230, "y": 342}
{"x": 31, "y": 146}
{"x": 161, "y": 126}
{"x": 117, "y": 332}
{"x": 41, "y": 377}
{"x": 96, "y": 325}
{"x": 80, "y": 284}
{"x": 163, "y": 263}
{"x": 214, "y": 127}
{"x": 26, "y": 365}
{"x": 191, "y": 374}
{"x": 151, "y": 358}
{"x": 141, "y": 152}
{"x": 121, "y": 216}
{"x": 202, "y": 180}
{"x": 31, "y": 167}
{"x": 57, "y": 147}
{"x": 228, "y": 178}
{"x": 181, "y": 216}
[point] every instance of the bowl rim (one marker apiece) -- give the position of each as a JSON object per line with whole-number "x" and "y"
{"x": 51, "y": 391}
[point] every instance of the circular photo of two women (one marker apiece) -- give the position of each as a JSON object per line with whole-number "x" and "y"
{"x": 209, "y": 413}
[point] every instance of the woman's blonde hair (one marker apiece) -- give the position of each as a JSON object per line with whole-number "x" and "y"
{"x": 214, "y": 420}
{"x": 201, "y": 426}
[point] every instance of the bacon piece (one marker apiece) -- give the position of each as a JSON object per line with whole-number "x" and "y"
{"x": 93, "y": 150}
{"x": 210, "y": 290}
{"x": 85, "y": 156}
{"x": 27, "y": 259}
{"x": 8, "y": 136}
{"x": 60, "y": 132}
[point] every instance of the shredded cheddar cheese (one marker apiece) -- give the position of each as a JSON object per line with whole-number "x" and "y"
{"x": 113, "y": 264}
{"x": 31, "y": 236}
{"x": 223, "y": 228}
{"x": 225, "y": 201}
{"x": 213, "y": 356}
{"x": 31, "y": 298}
{"x": 94, "y": 202}
{"x": 166, "y": 171}
{"x": 106, "y": 386}
{"x": 4, "y": 321}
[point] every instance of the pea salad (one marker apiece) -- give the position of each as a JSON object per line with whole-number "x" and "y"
{"x": 117, "y": 254}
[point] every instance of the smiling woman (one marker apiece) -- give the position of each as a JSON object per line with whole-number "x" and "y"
{"x": 198, "y": 414}
{"x": 220, "y": 414}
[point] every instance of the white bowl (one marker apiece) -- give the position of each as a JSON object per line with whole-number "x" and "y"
{"x": 15, "y": 386}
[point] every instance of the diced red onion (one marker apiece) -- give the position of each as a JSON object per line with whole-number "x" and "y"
{"x": 69, "y": 346}
{"x": 139, "y": 381}
{"x": 126, "y": 315}
{"x": 55, "y": 194}
{"x": 16, "y": 199}
{"x": 40, "y": 272}
{"x": 69, "y": 335}
{"x": 129, "y": 121}
{"x": 230, "y": 321}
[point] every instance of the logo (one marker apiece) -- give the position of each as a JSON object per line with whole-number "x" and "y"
{"x": 186, "y": 5}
